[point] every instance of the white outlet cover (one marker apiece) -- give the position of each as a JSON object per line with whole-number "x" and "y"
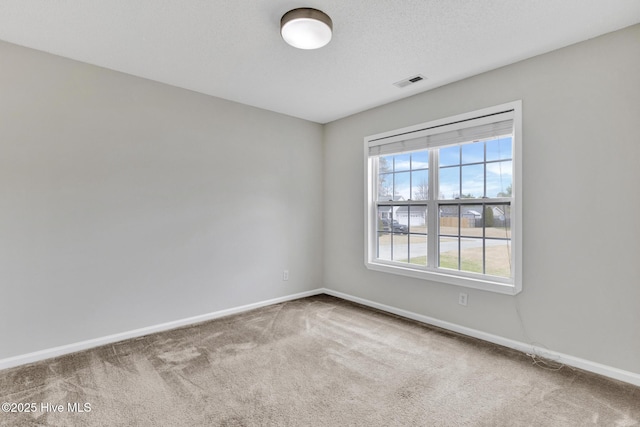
{"x": 462, "y": 299}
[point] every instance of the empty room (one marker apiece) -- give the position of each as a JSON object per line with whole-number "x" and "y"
{"x": 326, "y": 213}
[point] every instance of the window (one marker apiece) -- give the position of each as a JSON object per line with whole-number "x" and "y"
{"x": 443, "y": 200}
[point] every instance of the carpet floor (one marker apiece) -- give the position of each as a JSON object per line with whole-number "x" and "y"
{"x": 317, "y": 361}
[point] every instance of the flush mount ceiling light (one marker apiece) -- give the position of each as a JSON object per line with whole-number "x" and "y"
{"x": 306, "y": 28}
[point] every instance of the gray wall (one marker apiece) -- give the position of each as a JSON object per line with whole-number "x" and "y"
{"x": 581, "y": 109}
{"x": 126, "y": 203}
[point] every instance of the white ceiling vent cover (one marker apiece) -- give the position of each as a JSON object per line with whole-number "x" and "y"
{"x": 411, "y": 80}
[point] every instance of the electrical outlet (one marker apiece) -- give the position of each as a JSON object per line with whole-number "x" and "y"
{"x": 462, "y": 299}
{"x": 285, "y": 275}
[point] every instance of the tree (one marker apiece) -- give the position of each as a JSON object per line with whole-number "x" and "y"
{"x": 384, "y": 188}
{"x": 383, "y": 165}
{"x": 506, "y": 193}
{"x": 488, "y": 216}
{"x": 422, "y": 191}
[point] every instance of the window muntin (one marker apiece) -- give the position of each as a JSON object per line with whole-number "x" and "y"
{"x": 474, "y": 232}
{"x": 471, "y": 241}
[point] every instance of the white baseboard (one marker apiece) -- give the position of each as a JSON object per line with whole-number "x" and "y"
{"x": 608, "y": 371}
{"x": 96, "y": 342}
{"x": 587, "y": 365}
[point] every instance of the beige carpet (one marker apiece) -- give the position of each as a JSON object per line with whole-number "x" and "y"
{"x": 317, "y": 361}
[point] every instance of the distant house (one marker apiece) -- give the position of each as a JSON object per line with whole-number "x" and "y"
{"x": 405, "y": 215}
{"x": 413, "y": 217}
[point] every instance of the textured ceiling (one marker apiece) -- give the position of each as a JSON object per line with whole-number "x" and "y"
{"x": 233, "y": 49}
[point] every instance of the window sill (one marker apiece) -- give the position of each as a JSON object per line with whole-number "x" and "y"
{"x": 441, "y": 277}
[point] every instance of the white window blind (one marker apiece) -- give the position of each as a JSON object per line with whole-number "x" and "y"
{"x": 476, "y": 129}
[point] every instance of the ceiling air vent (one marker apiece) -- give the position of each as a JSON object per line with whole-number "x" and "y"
{"x": 410, "y": 80}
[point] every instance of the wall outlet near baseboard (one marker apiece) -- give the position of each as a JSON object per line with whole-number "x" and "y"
{"x": 462, "y": 299}
{"x": 285, "y": 275}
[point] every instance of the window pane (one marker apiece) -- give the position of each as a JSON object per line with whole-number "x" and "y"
{"x": 448, "y": 253}
{"x": 499, "y": 179}
{"x": 449, "y": 156}
{"x": 448, "y": 245}
{"x": 418, "y": 219}
{"x": 420, "y": 160}
{"x": 402, "y": 162}
{"x": 418, "y": 249}
{"x": 400, "y": 223}
{"x": 420, "y": 185}
{"x": 449, "y": 219}
{"x": 384, "y": 218}
{"x": 472, "y": 182}
{"x": 449, "y": 183}
{"x": 499, "y": 149}
{"x": 471, "y": 255}
{"x": 473, "y": 153}
{"x": 400, "y": 248}
{"x": 385, "y": 164}
{"x": 471, "y": 220}
{"x": 385, "y": 186}
{"x": 384, "y": 246}
{"x": 401, "y": 190}
{"x": 498, "y": 258}
{"x": 393, "y": 219}
{"x": 498, "y": 221}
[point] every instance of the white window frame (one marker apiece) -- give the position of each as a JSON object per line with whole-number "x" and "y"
{"x": 510, "y": 286}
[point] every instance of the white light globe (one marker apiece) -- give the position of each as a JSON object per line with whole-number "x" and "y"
{"x": 306, "y": 28}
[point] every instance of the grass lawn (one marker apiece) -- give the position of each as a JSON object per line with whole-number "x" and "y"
{"x": 498, "y": 263}
{"x": 448, "y": 260}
